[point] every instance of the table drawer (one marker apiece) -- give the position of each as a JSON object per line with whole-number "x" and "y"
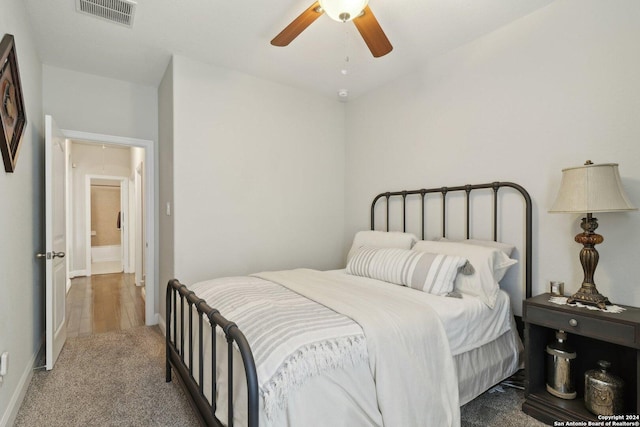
{"x": 605, "y": 330}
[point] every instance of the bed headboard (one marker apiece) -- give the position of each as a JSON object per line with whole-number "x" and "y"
{"x": 465, "y": 190}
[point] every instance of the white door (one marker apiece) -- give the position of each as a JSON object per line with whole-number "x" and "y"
{"x": 56, "y": 269}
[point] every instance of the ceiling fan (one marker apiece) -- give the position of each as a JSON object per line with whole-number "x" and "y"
{"x": 340, "y": 10}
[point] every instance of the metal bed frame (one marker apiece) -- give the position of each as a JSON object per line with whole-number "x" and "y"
{"x": 444, "y": 191}
{"x": 176, "y": 350}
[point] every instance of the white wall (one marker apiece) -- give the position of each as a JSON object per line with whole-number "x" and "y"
{"x": 89, "y": 103}
{"x": 22, "y": 226}
{"x": 90, "y": 160}
{"x": 258, "y": 174}
{"x": 165, "y": 183}
{"x": 548, "y": 91}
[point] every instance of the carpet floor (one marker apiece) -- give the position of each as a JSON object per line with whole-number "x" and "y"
{"x": 117, "y": 379}
{"x": 498, "y": 407}
{"x": 109, "y": 379}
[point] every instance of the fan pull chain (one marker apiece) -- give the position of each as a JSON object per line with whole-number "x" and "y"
{"x": 345, "y": 62}
{"x": 345, "y": 68}
{"x": 343, "y": 93}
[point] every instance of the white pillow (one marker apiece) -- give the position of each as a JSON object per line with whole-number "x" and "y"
{"x": 427, "y": 272}
{"x": 504, "y": 247}
{"x": 381, "y": 239}
{"x": 490, "y": 266}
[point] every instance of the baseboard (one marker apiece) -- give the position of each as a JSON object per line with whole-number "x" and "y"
{"x": 10, "y": 414}
{"x": 77, "y": 273}
{"x": 161, "y": 324}
{"x": 106, "y": 259}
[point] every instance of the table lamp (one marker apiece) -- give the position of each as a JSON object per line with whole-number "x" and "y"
{"x": 589, "y": 189}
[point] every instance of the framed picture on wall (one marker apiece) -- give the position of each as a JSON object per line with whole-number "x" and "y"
{"x": 13, "y": 119}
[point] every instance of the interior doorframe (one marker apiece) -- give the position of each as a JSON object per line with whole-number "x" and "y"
{"x": 152, "y": 313}
{"x": 139, "y": 238}
{"x": 124, "y": 208}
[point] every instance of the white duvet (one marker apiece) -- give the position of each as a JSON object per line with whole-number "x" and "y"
{"x": 468, "y": 322}
{"x": 408, "y": 380}
{"x": 411, "y": 363}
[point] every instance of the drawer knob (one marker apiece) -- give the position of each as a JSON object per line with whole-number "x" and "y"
{"x": 573, "y": 322}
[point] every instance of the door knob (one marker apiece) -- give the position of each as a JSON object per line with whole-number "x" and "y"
{"x": 50, "y": 255}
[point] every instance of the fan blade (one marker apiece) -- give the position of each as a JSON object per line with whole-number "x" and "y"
{"x": 298, "y": 25}
{"x": 372, "y": 33}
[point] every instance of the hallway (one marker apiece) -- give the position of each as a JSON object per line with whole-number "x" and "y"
{"x": 103, "y": 303}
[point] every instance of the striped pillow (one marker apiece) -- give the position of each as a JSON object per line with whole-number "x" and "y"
{"x": 432, "y": 273}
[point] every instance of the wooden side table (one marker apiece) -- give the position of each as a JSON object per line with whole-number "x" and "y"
{"x": 595, "y": 335}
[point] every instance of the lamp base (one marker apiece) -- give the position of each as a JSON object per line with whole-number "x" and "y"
{"x": 589, "y": 295}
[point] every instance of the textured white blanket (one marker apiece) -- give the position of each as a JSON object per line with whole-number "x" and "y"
{"x": 409, "y": 353}
{"x": 292, "y": 337}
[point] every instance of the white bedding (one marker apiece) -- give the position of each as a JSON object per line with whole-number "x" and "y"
{"x": 468, "y": 322}
{"x": 377, "y": 393}
{"x": 486, "y": 366}
{"x": 405, "y": 359}
{"x": 292, "y": 337}
{"x": 484, "y": 342}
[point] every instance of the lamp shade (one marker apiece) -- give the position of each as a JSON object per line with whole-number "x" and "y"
{"x": 591, "y": 188}
{"x": 343, "y": 10}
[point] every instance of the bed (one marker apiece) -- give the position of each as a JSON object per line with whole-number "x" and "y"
{"x": 351, "y": 347}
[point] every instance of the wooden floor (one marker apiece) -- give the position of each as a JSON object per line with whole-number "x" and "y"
{"x": 102, "y": 303}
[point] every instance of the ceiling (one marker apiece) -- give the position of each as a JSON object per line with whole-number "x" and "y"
{"x": 236, "y": 34}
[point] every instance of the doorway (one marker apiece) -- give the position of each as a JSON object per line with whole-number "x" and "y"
{"x": 138, "y": 245}
{"x": 107, "y": 225}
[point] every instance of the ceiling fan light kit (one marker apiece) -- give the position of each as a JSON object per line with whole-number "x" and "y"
{"x": 343, "y": 10}
{"x": 357, "y": 11}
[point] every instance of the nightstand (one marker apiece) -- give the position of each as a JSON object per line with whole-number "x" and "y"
{"x": 595, "y": 335}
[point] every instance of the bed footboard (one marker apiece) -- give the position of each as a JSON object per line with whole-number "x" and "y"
{"x": 176, "y": 350}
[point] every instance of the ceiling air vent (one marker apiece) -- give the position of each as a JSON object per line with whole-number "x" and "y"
{"x": 118, "y": 11}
